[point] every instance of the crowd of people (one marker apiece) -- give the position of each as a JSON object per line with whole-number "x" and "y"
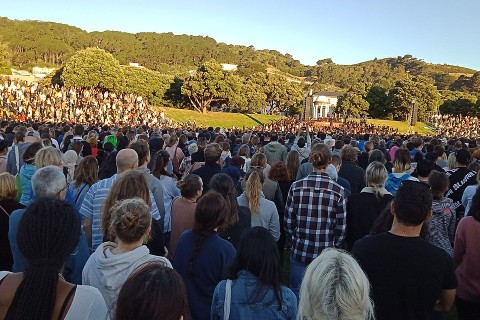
{"x": 157, "y": 222}
{"x": 33, "y": 101}
{"x": 456, "y": 126}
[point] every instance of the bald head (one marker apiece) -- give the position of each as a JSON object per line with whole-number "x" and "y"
{"x": 127, "y": 159}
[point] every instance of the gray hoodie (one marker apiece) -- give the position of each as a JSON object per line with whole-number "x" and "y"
{"x": 441, "y": 226}
{"x": 275, "y": 151}
{"x": 108, "y": 272}
{"x": 12, "y": 160}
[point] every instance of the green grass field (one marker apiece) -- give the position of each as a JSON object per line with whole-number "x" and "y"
{"x": 239, "y": 120}
{"x": 218, "y": 119}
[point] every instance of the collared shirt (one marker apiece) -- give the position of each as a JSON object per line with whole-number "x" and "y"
{"x": 92, "y": 207}
{"x": 315, "y": 216}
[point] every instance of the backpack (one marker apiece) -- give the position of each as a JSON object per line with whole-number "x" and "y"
{"x": 393, "y": 183}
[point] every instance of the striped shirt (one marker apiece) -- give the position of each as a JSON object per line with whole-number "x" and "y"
{"x": 315, "y": 216}
{"x": 92, "y": 207}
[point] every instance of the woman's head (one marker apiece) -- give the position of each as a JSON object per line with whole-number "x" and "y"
{"x": 31, "y": 151}
{"x": 48, "y": 156}
{"x": 258, "y": 253}
{"x": 320, "y": 156}
{"x": 8, "y": 187}
{"x": 210, "y": 212}
{"x": 452, "y": 160}
{"x": 131, "y": 220}
{"x": 376, "y": 175}
{"x": 254, "y": 180}
{"x": 223, "y": 184}
{"x": 131, "y": 184}
{"x": 161, "y": 161}
{"x": 153, "y": 291}
{"x": 401, "y": 163}
{"x": 244, "y": 151}
{"x": 87, "y": 171}
{"x": 172, "y": 141}
{"x": 377, "y": 155}
{"x": 335, "y": 287}
{"x": 259, "y": 160}
{"x": 48, "y": 232}
{"x": 279, "y": 172}
{"x": 293, "y": 163}
{"x": 191, "y": 186}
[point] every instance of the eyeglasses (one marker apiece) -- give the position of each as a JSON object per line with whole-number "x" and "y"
{"x": 66, "y": 186}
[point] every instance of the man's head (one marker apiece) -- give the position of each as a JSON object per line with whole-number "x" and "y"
{"x": 49, "y": 183}
{"x": 348, "y": 153}
{"x": 413, "y": 203}
{"x": 463, "y": 158}
{"x": 424, "y": 167}
{"x": 78, "y": 130}
{"x": 337, "y": 162}
{"x": 127, "y": 159}
{"x": 142, "y": 150}
{"x": 274, "y": 137}
{"x": 320, "y": 156}
{"x": 213, "y": 152}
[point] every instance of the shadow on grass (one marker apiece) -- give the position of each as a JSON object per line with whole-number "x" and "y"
{"x": 253, "y": 118}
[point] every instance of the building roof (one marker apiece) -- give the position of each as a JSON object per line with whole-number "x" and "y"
{"x": 328, "y": 93}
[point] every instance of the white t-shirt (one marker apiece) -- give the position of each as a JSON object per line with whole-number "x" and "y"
{"x": 87, "y": 303}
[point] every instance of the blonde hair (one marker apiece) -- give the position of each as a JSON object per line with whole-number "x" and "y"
{"x": 131, "y": 220}
{"x": 253, "y": 189}
{"x": 376, "y": 175}
{"x": 48, "y": 156}
{"x": 335, "y": 287}
{"x": 8, "y": 186}
{"x": 452, "y": 160}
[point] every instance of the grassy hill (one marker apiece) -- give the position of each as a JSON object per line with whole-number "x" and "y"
{"x": 239, "y": 120}
{"x": 218, "y": 119}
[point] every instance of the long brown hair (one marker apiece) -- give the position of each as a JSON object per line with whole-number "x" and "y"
{"x": 129, "y": 185}
{"x": 86, "y": 171}
{"x": 293, "y": 163}
{"x": 210, "y": 213}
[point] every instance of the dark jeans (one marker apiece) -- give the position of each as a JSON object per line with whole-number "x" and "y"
{"x": 297, "y": 269}
{"x": 467, "y": 310}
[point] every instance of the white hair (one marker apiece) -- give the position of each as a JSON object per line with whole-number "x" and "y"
{"x": 47, "y": 182}
{"x": 335, "y": 287}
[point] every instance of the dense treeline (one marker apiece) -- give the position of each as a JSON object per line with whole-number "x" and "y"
{"x": 378, "y": 88}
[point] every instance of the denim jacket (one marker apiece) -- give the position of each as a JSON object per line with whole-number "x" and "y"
{"x": 241, "y": 306}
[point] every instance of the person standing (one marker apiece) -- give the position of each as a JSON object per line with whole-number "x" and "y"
{"x": 410, "y": 277}
{"x": 315, "y": 215}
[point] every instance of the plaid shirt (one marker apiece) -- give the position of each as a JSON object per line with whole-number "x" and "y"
{"x": 315, "y": 216}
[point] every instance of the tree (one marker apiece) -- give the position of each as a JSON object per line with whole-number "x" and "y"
{"x": 149, "y": 84}
{"x": 408, "y": 93}
{"x": 353, "y": 103}
{"x": 475, "y": 82}
{"x": 208, "y": 84}
{"x": 324, "y": 61}
{"x": 174, "y": 94}
{"x": 4, "y": 63}
{"x": 93, "y": 68}
{"x": 377, "y": 100}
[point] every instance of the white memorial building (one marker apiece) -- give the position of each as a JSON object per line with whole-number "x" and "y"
{"x": 323, "y": 104}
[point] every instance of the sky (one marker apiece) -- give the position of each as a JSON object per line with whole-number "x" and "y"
{"x": 348, "y": 31}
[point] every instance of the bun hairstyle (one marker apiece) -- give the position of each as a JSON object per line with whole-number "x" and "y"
{"x": 190, "y": 185}
{"x": 47, "y": 234}
{"x": 129, "y": 185}
{"x": 131, "y": 218}
{"x": 376, "y": 175}
{"x": 320, "y": 156}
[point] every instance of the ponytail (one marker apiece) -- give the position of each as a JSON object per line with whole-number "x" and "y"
{"x": 253, "y": 190}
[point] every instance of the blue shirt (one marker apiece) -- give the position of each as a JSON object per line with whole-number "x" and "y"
{"x": 209, "y": 267}
{"x": 73, "y": 268}
{"x": 242, "y": 305}
{"x": 92, "y": 207}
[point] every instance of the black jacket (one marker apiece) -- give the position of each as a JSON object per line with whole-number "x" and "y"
{"x": 354, "y": 175}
